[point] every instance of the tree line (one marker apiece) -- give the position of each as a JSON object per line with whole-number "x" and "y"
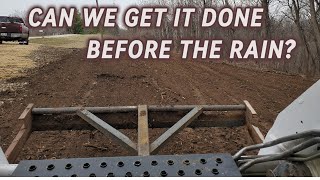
{"x": 298, "y": 19}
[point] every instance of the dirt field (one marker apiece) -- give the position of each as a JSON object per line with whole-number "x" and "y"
{"x": 69, "y": 80}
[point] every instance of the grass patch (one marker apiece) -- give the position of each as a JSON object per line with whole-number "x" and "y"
{"x": 73, "y": 41}
{"x": 14, "y": 59}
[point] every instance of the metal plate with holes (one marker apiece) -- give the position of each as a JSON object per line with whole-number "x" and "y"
{"x": 204, "y": 165}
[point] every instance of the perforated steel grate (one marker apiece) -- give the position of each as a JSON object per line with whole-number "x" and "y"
{"x": 205, "y": 165}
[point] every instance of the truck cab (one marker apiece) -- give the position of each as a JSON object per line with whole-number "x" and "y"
{"x": 13, "y": 29}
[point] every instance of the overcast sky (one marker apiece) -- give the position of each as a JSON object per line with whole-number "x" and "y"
{"x": 8, "y": 7}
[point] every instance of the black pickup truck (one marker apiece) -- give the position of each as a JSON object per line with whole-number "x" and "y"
{"x": 13, "y": 29}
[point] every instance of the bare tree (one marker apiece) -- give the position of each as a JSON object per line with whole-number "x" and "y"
{"x": 266, "y": 28}
{"x": 20, "y": 14}
{"x": 314, "y": 22}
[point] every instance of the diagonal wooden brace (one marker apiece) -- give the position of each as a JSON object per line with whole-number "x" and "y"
{"x": 175, "y": 129}
{"x": 108, "y": 130}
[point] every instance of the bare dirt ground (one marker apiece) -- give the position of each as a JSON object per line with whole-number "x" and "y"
{"x": 69, "y": 80}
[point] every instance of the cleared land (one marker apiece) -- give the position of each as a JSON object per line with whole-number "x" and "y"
{"x": 69, "y": 80}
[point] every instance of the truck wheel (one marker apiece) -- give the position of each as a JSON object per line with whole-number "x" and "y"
{"x": 0, "y": 42}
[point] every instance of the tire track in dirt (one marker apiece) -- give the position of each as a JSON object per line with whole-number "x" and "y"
{"x": 269, "y": 84}
{"x": 269, "y": 79}
{"x": 215, "y": 81}
{"x": 234, "y": 87}
{"x": 262, "y": 89}
{"x": 180, "y": 79}
{"x": 268, "y": 101}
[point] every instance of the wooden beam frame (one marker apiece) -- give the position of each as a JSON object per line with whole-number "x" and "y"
{"x": 227, "y": 116}
{"x": 19, "y": 141}
{"x": 108, "y": 130}
{"x": 181, "y": 124}
{"x": 254, "y": 131}
{"x": 143, "y": 131}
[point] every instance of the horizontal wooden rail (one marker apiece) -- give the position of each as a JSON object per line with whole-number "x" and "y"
{"x": 119, "y": 109}
{"x": 129, "y": 121}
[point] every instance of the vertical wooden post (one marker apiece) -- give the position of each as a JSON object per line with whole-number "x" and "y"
{"x": 254, "y": 131}
{"x": 143, "y": 131}
{"x": 19, "y": 141}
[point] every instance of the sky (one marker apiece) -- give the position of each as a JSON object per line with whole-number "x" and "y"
{"x": 8, "y": 7}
